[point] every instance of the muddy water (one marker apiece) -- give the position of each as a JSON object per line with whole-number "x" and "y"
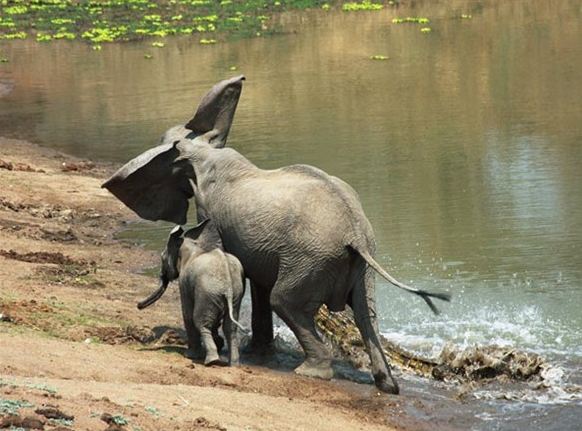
{"x": 465, "y": 147}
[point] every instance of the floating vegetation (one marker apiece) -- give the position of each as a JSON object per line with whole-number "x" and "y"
{"x": 148, "y": 56}
{"x": 96, "y": 47}
{"x": 3, "y": 60}
{"x": 233, "y": 68}
{"x": 158, "y": 44}
{"x": 466, "y": 16}
{"x": 426, "y": 30}
{"x": 363, "y": 6}
{"x": 411, "y": 19}
{"x": 326, "y": 6}
{"x": 106, "y": 21}
{"x": 207, "y": 41}
{"x": 12, "y": 36}
{"x": 379, "y": 57}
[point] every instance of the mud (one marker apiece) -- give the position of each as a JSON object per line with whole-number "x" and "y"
{"x": 77, "y": 166}
{"x": 24, "y": 167}
{"x": 40, "y": 211}
{"x": 203, "y": 423}
{"x": 52, "y": 412}
{"x": 43, "y": 257}
{"x": 27, "y": 422}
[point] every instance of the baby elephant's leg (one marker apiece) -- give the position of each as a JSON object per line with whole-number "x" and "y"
{"x": 231, "y": 333}
{"x": 212, "y": 357}
{"x": 194, "y": 347}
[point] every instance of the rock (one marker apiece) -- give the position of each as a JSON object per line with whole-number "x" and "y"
{"x": 52, "y": 412}
{"x": 28, "y": 422}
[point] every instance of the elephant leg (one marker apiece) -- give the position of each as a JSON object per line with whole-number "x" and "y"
{"x": 231, "y": 333}
{"x": 212, "y": 357}
{"x": 300, "y": 319}
{"x": 262, "y": 319}
{"x": 194, "y": 347}
{"x": 363, "y": 302}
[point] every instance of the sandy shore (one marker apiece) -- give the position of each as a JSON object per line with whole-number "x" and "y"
{"x": 71, "y": 336}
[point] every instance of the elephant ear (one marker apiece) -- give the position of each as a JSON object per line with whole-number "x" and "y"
{"x": 154, "y": 185}
{"x": 216, "y": 112}
{"x": 206, "y": 235}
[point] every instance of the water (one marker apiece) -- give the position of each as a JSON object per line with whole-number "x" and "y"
{"x": 465, "y": 147}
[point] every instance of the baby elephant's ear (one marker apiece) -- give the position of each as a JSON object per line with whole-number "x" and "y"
{"x": 215, "y": 113}
{"x": 197, "y": 230}
{"x": 175, "y": 235}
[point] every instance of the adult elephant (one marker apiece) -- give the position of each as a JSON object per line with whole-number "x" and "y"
{"x": 300, "y": 234}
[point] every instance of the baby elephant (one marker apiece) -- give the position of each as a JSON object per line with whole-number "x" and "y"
{"x": 211, "y": 289}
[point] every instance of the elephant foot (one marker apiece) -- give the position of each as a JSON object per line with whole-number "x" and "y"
{"x": 215, "y": 360}
{"x": 386, "y": 384}
{"x": 319, "y": 369}
{"x": 194, "y": 354}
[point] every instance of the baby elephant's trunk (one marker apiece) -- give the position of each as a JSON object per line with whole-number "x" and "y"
{"x": 154, "y": 296}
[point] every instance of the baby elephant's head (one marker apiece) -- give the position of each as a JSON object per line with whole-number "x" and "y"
{"x": 171, "y": 256}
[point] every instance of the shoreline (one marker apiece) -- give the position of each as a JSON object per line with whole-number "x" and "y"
{"x": 69, "y": 290}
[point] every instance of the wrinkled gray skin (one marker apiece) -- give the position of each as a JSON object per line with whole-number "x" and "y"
{"x": 301, "y": 235}
{"x": 211, "y": 290}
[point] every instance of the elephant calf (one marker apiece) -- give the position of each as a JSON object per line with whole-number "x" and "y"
{"x": 211, "y": 289}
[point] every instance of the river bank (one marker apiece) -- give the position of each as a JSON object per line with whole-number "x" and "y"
{"x": 72, "y": 337}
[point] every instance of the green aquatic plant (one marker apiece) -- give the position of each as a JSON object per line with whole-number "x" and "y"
{"x": 64, "y": 35}
{"x": 12, "y": 36}
{"x": 148, "y": 56}
{"x": 158, "y": 44}
{"x": 365, "y": 5}
{"x": 3, "y": 60}
{"x": 106, "y": 21}
{"x": 15, "y": 10}
{"x": 425, "y": 29}
{"x": 207, "y": 41}
{"x": 40, "y": 37}
{"x": 379, "y": 57}
{"x": 96, "y": 47}
{"x": 411, "y": 19}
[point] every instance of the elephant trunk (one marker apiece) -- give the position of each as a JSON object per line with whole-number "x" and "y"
{"x": 154, "y": 296}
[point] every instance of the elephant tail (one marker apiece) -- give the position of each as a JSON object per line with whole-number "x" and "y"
{"x": 422, "y": 293}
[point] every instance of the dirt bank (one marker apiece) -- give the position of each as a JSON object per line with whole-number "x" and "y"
{"x": 72, "y": 338}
